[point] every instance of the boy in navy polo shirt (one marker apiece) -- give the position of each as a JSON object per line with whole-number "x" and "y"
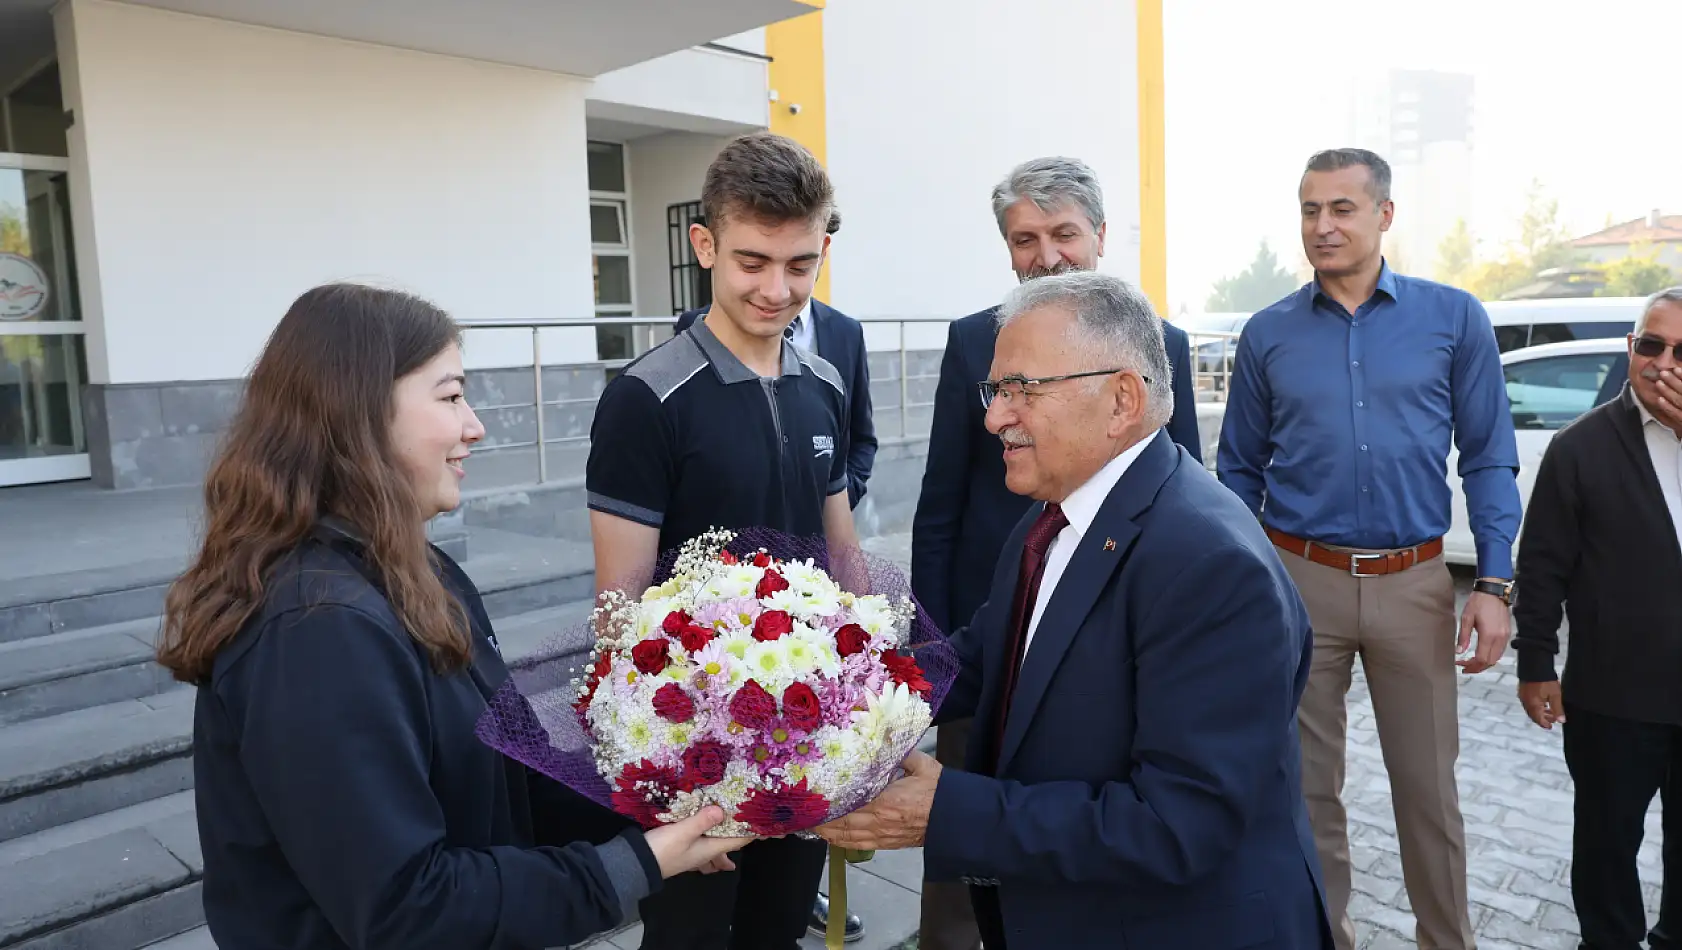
{"x": 728, "y": 426}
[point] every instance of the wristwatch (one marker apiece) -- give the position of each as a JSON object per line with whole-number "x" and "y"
{"x": 1495, "y": 587}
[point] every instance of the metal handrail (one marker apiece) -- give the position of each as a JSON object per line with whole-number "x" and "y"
{"x": 539, "y": 324}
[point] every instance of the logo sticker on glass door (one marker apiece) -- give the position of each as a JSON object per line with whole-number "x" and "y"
{"x": 23, "y": 287}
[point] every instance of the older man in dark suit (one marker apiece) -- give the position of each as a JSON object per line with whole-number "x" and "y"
{"x": 1135, "y": 778}
{"x": 1050, "y": 212}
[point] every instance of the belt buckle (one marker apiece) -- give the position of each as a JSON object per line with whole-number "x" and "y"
{"x": 1355, "y": 563}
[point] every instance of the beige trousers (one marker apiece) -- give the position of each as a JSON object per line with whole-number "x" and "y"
{"x": 1403, "y": 627}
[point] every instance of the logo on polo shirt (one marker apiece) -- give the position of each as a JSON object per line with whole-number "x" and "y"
{"x": 823, "y": 445}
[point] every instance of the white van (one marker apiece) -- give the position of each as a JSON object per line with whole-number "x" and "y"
{"x": 1522, "y": 323}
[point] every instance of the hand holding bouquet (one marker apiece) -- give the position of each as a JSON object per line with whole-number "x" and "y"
{"x": 749, "y": 679}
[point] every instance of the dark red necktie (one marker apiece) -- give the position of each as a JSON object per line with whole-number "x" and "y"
{"x": 1040, "y": 535}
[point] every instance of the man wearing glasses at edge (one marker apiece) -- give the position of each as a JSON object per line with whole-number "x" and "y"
{"x": 1602, "y": 549}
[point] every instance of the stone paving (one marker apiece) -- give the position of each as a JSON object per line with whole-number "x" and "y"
{"x": 1515, "y": 795}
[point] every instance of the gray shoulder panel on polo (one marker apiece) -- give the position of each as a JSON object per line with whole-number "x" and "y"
{"x": 822, "y": 368}
{"x": 669, "y": 365}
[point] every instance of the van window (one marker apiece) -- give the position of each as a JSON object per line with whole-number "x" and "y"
{"x": 1560, "y": 332}
{"x": 1551, "y": 392}
{"x": 1512, "y": 337}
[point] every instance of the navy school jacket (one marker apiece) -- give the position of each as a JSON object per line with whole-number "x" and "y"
{"x": 344, "y": 800}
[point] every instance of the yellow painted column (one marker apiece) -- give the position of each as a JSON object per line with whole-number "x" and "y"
{"x": 797, "y": 77}
{"x": 1153, "y": 161}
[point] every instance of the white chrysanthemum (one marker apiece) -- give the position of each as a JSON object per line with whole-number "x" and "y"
{"x": 875, "y": 615}
{"x": 736, "y": 645}
{"x": 841, "y": 755}
{"x": 891, "y": 717}
{"x": 813, "y": 650}
{"x": 638, "y": 735}
{"x": 828, "y": 661}
{"x": 805, "y": 577}
{"x": 732, "y": 583}
{"x": 665, "y": 591}
{"x": 768, "y": 662}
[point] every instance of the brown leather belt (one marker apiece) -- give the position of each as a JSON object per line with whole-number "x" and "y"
{"x": 1358, "y": 563}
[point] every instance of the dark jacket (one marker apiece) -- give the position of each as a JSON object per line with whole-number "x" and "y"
{"x": 1148, "y": 785}
{"x": 965, "y": 512}
{"x": 344, "y": 800}
{"x": 841, "y": 343}
{"x": 1598, "y": 545}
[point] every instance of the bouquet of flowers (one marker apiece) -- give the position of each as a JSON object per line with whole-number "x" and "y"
{"x": 752, "y": 677}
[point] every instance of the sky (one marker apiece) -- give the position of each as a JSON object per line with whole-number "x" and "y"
{"x": 1584, "y": 97}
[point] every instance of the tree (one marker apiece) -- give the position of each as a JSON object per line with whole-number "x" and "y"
{"x": 1543, "y": 244}
{"x": 1455, "y": 256}
{"x": 12, "y": 237}
{"x": 1635, "y": 275}
{"x": 1264, "y": 282}
{"x": 1543, "y": 241}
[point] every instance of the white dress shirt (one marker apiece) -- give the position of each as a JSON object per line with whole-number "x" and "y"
{"x": 1080, "y": 508}
{"x": 1666, "y": 451}
{"x": 805, "y": 335}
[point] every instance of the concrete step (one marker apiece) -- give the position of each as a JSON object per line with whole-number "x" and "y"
{"x": 70, "y": 765}
{"x": 74, "y": 765}
{"x": 77, "y": 669}
{"x": 115, "y": 882}
{"x": 196, "y": 939}
{"x": 516, "y": 572}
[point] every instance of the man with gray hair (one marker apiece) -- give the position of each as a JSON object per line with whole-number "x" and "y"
{"x": 1133, "y": 777}
{"x": 1602, "y": 549}
{"x": 1050, "y": 212}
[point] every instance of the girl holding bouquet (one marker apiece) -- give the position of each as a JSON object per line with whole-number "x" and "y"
{"x": 343, "y": 662}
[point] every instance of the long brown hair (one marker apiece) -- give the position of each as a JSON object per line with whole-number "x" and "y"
{"x": 312, "y": 438}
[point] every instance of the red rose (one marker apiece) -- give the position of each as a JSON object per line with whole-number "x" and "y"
{"x": 644, "y": 804}
{"x": 651, "y": 656}
{"x": 773, "y": 812}
{"x": 770, "y": 584}
{"x": 694, "y": 637}
{"x": 772, "y": 625}
{"x": 851, "y": 639}
{"x": 604, "y": 665}
{"x": 704, "y": 763}
{"x": 672, "y": 704}
{"x": 752, "y": 706}
{"x": 762, "y": 560}
{"x": 725, "y": 557}
{"x": 801, "y": 707}
{"x": 905, "y": 670}
{"x": 675, "y": 622}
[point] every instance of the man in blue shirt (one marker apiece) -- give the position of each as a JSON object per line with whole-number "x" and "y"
{"x": 1344, "y": 398}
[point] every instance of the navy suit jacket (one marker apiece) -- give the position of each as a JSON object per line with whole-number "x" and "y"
{"x": 841, "y": 343}
{"x": 965, "y": 512}
{"x": 1148, "y": 791}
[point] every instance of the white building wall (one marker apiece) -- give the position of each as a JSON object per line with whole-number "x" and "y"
{"x": 929, "y": 105}
{"x": 223, "y": 169}
{"x": 665, "y": 170}
{"x": 696, "y": 90}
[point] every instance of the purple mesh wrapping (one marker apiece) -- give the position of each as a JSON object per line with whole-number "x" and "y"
{"x": 532, "y": 718}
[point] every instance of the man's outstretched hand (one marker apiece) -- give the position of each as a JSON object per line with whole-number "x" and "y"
{"x": 898, "y": 818}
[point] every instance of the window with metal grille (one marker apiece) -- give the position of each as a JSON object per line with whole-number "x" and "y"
{"x": 691, "y": 286}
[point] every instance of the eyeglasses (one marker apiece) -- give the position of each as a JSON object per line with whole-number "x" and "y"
{"x": 1013, "y": 386}
{"x": 1651, "y": 347}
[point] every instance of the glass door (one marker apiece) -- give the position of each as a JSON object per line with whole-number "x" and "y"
{"x": 43, "y": 364}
